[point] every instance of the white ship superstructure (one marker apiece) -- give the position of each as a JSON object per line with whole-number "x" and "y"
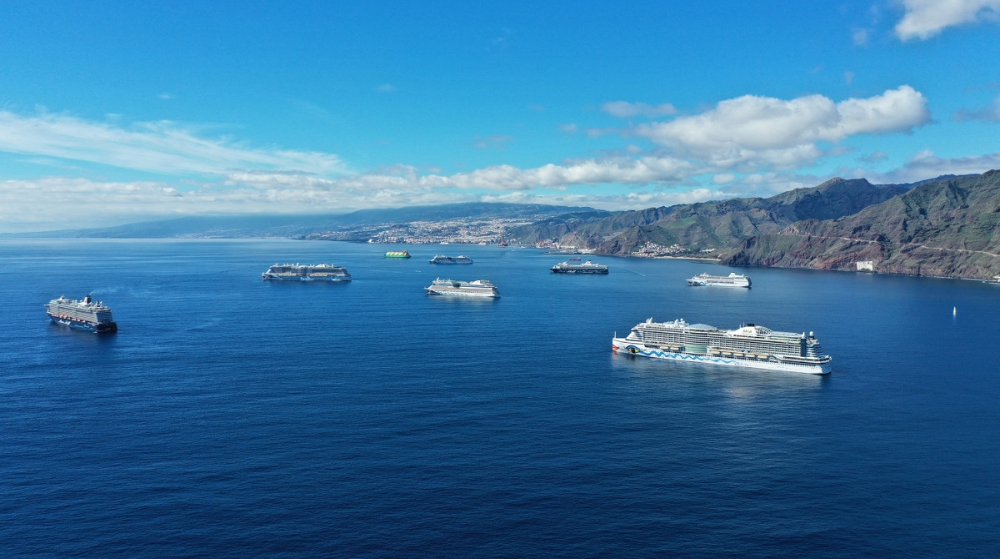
{"x": 732, "y": 280}
{"x": 298, "y": 272}
{"x": 750, "y": 346}
{"x": 478, "y": 288}
{"x": 587, "y": 267}
{"x": 84, "y": 315}
{"x": 442, "y": 259}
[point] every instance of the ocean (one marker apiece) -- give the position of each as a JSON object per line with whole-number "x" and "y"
{"x": 231, "y": 417}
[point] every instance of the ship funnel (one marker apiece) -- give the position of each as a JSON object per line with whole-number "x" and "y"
{"x": 811, "y": 334}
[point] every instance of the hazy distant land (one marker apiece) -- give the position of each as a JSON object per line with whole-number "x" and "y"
{"x": 944, "y": 227}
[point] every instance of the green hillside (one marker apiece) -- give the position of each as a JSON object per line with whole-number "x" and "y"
{"x": 717, "y": 225}
{"x": 947, "y": 228}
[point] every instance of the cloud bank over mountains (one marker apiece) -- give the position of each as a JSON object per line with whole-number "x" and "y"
{"x": 762, "y": 138}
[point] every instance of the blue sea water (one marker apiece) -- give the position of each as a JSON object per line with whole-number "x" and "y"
{"x": 231, "y": 417}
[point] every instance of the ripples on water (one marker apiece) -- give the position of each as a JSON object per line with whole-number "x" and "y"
{"x": 232, "y": 417}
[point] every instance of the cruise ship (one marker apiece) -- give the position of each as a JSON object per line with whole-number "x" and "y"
{"x": 297, "y": 272}
{"x": 477, "y": 288}
{"x": 732, "y": 280}
{"x": 750, "y": 346}
{"x": 83, "y": 315}
{"x": 460, "y": 259}
{"x": 587, "y": 267}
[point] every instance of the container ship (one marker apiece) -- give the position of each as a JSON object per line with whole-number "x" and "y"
{"x": 297, "y": 272}
{"x": 587, "y": 267}
{"x": 732, "y": 280}
{"x": 749, "y": 346}
{"x": 82, "y": 315}
{"x": 460, "y": 259}
{"x": 477, "y": 288}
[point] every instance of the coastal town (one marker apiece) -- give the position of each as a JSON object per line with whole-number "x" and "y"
{"x": 469, "y": 231}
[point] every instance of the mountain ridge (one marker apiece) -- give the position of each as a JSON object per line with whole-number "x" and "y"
{"x": 943, "y": 228}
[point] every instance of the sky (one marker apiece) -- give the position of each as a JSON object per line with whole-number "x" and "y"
{"x": 115, "y": 112}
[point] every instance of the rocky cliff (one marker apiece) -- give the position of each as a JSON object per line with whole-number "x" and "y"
{"x": 948, "y": 228}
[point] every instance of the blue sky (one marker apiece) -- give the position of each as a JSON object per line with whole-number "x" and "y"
{"x": 113, "y": 112}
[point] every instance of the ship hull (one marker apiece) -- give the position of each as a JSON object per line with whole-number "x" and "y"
{"x": 95, "y": 328}
{"x": 463, "y": 294}
{"x": 718, "y": 284}
{"x": 579, "y": 271}
{"x": 326, "y": 279}
{"x": 630, "y": 347}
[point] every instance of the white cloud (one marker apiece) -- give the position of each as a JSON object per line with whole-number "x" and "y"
{"x": 924, "y": 19}
{"x": 926, "y": 165}
{"x": 569, "y": 128}
{"x": 386, "y": 88}
{"x": 624, "y": 109}
{"x": 752, "y": 130}
{"x": 162, "y": 147}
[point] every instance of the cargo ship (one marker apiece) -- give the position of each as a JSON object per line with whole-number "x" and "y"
{"x": 749, "y": 346}
{"x": 587, "y": 267}
{"x": 298, "y": 272}
{"x": 82, "y": 315}
{"x": 732, "y": 280}
{"x": 397, "y": 254}
{"x": 477, "y": 288}
{"x": 460, "y": 259}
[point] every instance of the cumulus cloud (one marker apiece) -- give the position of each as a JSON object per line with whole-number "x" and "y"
{"x": 764, "y": 130}
{"x": 624, "y": 109}
{"x": 162, "y": 147}
{"x": 923, "y": 19}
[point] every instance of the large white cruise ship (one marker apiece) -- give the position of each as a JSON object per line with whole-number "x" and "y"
{"x": 298, "y": 272}
{"x": 732, "y": 280}
{"x": 751, "y": 346}
{"x": 477, "y": 288}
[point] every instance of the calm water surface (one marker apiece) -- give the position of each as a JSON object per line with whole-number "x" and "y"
{"x": 230, "y": 417}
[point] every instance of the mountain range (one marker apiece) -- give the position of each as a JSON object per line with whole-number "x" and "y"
{"x": 945, "y": 228}
{"x": 720, "y": 225}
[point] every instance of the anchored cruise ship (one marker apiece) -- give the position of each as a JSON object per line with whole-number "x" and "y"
{"x": 587, "y": 267}
{"x": 296, "y": 272}
{"x": 732, "y": 280}
{"x": 460, "y": 259}
{"x": 751, "y": 346}
{"x": 84, "y": 315}
{"x": 477, "y": 288}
